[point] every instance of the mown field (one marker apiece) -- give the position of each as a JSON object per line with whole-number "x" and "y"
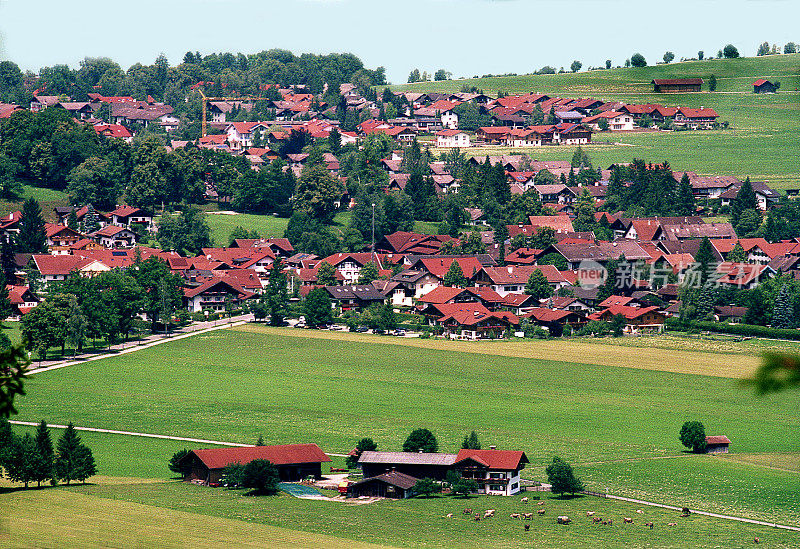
{"x": 614, "y": 411}
{"x": 758, "y": 144}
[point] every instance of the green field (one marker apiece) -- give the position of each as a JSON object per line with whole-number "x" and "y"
{"x": 759, "y": 143}
{"x": 612, "y": 410}
{"x": 48, "y": 199}
{"x": 222, "y": 225}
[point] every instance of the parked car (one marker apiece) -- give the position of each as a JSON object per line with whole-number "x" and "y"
{"x": 336, "y": 327}
{"x": 399, "y": 332}
{"x": 361, "y": 329}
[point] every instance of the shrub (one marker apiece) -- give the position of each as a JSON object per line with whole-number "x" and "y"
{"x": 747, "y": 330}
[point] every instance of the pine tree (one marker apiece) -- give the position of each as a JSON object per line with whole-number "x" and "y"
{"x": 705, "y": 261}
{"x": 5, "y": 303}
{"x": 783, "y": 313}
{"x": 684, "y": 199}
{"x": 90, "y": 222}
{"x": 736, "y": 255}
{"x": 23, "y": 460}
{"x": 471, "y": 442}
{"x": 609, "y": 286}
{"x": 7, "y": 260}
{"x": 32, "y": 238}
{"x": 277, "y": 294}
{"x": 68, "y": 456}
{"x": 455, "y": 276}
{"x": 72, "y": 220}
{"x": 745, "y": 200}
{"x": 537, "y": 285}
{"x": 44, "y": 445}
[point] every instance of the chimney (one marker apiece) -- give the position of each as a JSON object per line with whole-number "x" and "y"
{"x": 492, "y": 447}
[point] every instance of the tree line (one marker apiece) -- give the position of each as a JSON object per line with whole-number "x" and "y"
{"x": 32, "y": 458}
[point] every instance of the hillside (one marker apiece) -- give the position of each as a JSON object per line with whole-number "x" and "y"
{"x": 763, "y": 127}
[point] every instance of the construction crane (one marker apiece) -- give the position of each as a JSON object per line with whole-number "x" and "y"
{"x": 207, "y": 99}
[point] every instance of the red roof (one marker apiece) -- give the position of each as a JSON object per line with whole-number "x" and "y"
{"x": 112, "y": 130}
{"x": 504, "y": 460}
{"x": 438, "y": 267}
{"x": 760, "y": 82}
{"x": 126, "y": 211}
{"x": 698, "y": 113}
{"x": 678, "y": 81}
{"x": 717, "y": 439}
{"x": 284, "y": 454}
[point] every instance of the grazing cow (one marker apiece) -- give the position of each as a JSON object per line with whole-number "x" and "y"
{"x": 540, "y": 512}
{"x": 449, "y": 515}
{"x": 540, "y": 503}
{"x": 755, "y": 540}
{"x": 610, "y": 522}
{"x": 467, "y": 511}
{"x": 639, "y": 511}
{"x": 672, "y": 524}
{"x": 489, "y": 513}
{"x": 589, "y": 513}
{"x": 477, "y": 517}
{"x": 627, "y": 520}
{"x": 527, "y": 527}
{"x": 525, "y": 499}
{"x": 650, "y": 524}
{"x": 563, "y": 519}
{"x": 516, "y": 515}
{"x": 596, "y": 520}
{"x": 528, "y": 516}
{"x": 605, "y": 522}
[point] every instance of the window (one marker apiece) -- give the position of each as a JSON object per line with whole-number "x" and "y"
{"x": 496, "y": 488}
{"x": 497, "y": 475}
{"x": 515, "y": 486}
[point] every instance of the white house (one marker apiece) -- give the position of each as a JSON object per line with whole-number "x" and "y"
{"x": 617, "y": 121}
{"x": 452, "y": 138}
{"x": 495, "y": 471}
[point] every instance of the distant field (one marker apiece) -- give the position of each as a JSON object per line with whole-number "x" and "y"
{"x": 48, "y": 199}
{"x": 763, "y": 127}
{"x": 222, "y": 225}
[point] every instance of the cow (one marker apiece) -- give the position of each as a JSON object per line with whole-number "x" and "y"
{"x": 540, "y": 503}
{"x": 627, "y": 520}
{"x": 449, "y": 515}
{"x": 596, "y": 519}
{"x": 672, "y": 524}
{"x": 527, "y": 527}
{"x": 650, "y": 524}
{"x": 639, "y": 511}
{"x": 467, "y": 511}
{"x": 540, "y": 512}
{"x": 563, "y": 519}
{"x": 589, "y": 513}
{"x": 524, "y": 500}
{"x": 516, "y": 515}
{"x": 527, "y": 516}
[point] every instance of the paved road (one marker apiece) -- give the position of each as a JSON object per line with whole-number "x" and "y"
{"x": 145, "y": 343}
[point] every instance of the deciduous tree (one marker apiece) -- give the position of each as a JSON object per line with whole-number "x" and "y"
{"x": 561, "y": 478}
{"x": 421, "y": 440}
{"x": 693, "y": 435}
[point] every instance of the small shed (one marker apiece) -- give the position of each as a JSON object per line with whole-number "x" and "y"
{"x": 717, "y": 444}
{"x": 765, "y": 86}
{"x": 677, "y": 85}
{"x": 393, "y": 484}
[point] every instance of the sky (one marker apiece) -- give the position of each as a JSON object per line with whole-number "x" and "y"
{"x": 465, "y": 37}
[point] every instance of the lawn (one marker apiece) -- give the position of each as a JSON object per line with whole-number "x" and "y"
{"x": 223, "y": 224}
{"x": 48, "y": 199}
{"x": 580, "y": 400}
{"x": 762, "y": 132}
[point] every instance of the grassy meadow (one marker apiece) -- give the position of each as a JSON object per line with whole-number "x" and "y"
{"x": 613, "y": 411}
{"x": 759, "y": 143}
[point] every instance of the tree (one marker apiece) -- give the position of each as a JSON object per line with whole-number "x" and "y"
{"x": 317, "y": 307}
{"x": 421, "y": 440}
{"x": 608, "y": 63}
{"x": 261, "y": 476}
{"x": 442, "y": 74}
{"x": 455, "y": 276}
{"x": 749, "y": 222}
{"x": 684, "y": 199}
{"x": 783, "y": 312}
{"x": 426, "y": 487}
{"x": 700, "y": 55}
{"x": 693, "y": 435}
{"x": 76, "y": 326}
{"x": 745, "y": 200}
{"x": 464, "y": 487}
{"x": 537, "y": 285}
{"x": 44, "y": 446}
{"x": 326, "y": 274}
{"x": 705, "y": 261}
{"x": 186, "y": 233}
{"x": 414, "y": 76}
{"x": 618, "y": 324}
{"x": 22, "y": 461}
{"x": 277, "y": 294}
{"x": 32, "y": 238}
{"x": 233, "y": 475}
{"x": 790, "y": 47}
{"x": 71, "y": 460}
{"x": 368, "y": 273}
{"x": 638, "y": 60}
{"x": 90, "y": 221}
{"x": 712, "y": 83}
{"x": 176, "y": 464}
{"x": 14, "y": 363}
{"x": 763, "y": 49}
{"x": 366, "y": 444}
{"x": 668, "y": 57}
{"x": 317, "y": 192}
{"x": 561, "y": 478}
{"x": 736, "y": 255}
{"x": 730, "y": 52}
{"x": 471, "y": 441}
{"x": 260, "y": 441}
{"x": 162, "y": 291}
{"x": 575, "y": 66}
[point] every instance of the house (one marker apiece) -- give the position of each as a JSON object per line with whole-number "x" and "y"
{"x": 410, "y": 285}
{"x": 677, "y": 85}
{"x": 617, "y": 121}
{"x": 572, "y": 134}
{"x": 765, "y": 195}
{"x": 41, "y": 102}
{"x": 56, "y": 268}
{"x": 414, "y": 464}
{"x": 112, "y": 236}
{"x": 702, "y": 118}
{"x": 117, "y": 131}
{"x": 60, "y": 237}
{"x": 22, "y": 300}
{"x": 554, "y": 319}
{"x": 765, "y": 86}
{"x": 717, "y": 444}
{"x": 392, "y": 484}
{"x": 451, "y": 139}
{"x": 492, "y": 134}
{"x": 354, "y": 296}
{"x": 636, "y": 318}
{"x": 473, "y": 321}
{"x": 513, "y": 278}
{"x": 495, "y": 471}
{"x": 215, "y": 294}
{"x": 743, "y": 276}
{"x": 293, "y": 461}
{"x": 126, "y": 216}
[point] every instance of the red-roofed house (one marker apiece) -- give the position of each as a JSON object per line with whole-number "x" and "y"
{"x": 293, "y": 461}
{"x": 117, "y": 131}
{"x": 452, "y": 138}
{"x": 125, "y": 216}
{"x": 22, "y": 300}
{"x": 495, "y": 471}
{"x": 703, "y": 117}
{"x": 636, "y": 318}
{"x": 617, "y": 121}
{"x": 473, "y": 321}
{"x": 213, "y": 295}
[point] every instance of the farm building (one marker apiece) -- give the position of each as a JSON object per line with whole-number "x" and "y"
{"x": 418, "y": 465}
{"x": 388, "y": 485}
{"x": 677, "y": 85}
{"x": 294, "y": 461}
{"x": 495, "y": 471}
{"x": 765, "y": 86}
{"x": 717, "y": 444}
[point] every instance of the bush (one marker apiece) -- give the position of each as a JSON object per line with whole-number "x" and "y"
{"x": 595, "y": 328}
{"x": 747, "y": 330}
{"x": 262, "y": 476}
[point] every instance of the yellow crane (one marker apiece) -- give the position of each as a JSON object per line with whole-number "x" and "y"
{"x": 207, "y": 99}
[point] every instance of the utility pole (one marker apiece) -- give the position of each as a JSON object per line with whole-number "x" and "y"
{"x": 373, "y": 228}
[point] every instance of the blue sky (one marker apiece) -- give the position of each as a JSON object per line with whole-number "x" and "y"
{"x": 465, "y": 37}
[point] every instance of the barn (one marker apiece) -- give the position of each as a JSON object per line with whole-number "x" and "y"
{"x": 765, "y": 86}
{"x": 294, "y": 461}
{"x": 388, "y": 485}
{"x": 677, "y": 85}
{"x": 717, "y": 444}
{"x": 417, "y": 465}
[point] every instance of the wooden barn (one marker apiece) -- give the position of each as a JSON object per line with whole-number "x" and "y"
{"x": 717, "y": 444}
{"x": 294, "y": 461}
{"x": 417, "y": 465}
{"x": 765, "y": 86}
{"x": 388, "y": 485}
{"x": 677, "y": 85}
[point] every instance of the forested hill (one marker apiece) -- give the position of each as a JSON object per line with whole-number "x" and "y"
{"x": 221, "y": 74}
